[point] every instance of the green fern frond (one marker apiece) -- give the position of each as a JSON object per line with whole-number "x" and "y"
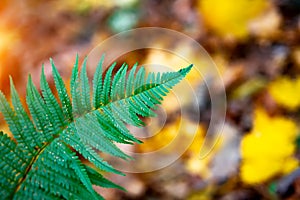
{"x": 43, "y": 162}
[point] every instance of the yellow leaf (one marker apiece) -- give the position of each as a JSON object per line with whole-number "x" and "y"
{"x": 285, "y": 92}
{"x": 231, "y": 17}
{"x": 198, "y": 166}
{"x": 268, "y": 149}
{"x": 259, "y": 170}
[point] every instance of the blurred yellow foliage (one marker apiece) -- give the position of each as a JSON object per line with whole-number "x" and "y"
{"x": 285, "y": 92}
{"x": 231, "y": 17}
{"x": 198, "y": 166}
{"x": 202, "y": 166}
{"x": 161, "y": 139}
{"x": 194, "y": 164}
{"x": 182, "y": 128}
{"x": 79, "y": 5}
{"x": 198, "y": 139}
{"x": 7, "y": 38}
{"x": 268, "y": 149}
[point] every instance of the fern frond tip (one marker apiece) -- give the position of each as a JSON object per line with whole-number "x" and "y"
{"x": 185, "y": 71}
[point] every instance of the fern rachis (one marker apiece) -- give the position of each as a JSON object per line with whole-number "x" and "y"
{"x": 43, "y": 162}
